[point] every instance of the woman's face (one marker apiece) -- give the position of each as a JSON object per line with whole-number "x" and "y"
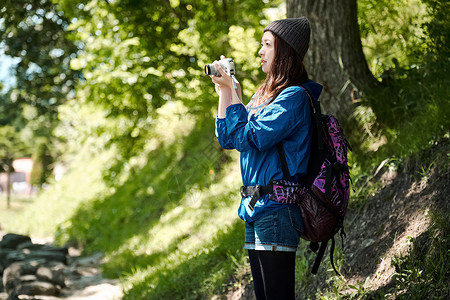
{"x": 267, "y": 51}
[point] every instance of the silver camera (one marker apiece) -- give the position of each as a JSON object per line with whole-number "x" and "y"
{"x": 227, "y": 65}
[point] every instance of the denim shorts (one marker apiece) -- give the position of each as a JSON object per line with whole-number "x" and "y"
{"x": 277, "y": 231}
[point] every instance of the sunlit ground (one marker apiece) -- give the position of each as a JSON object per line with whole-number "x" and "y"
{"x": 8, "y": 216}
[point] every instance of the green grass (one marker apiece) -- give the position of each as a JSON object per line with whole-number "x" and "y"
{"x": 8, "y": 216}
{"x": 53, "y": 206}
{"x": 190, "y": 274}
{"x": 424, "y": 272}
{"x": 167, "y": 222}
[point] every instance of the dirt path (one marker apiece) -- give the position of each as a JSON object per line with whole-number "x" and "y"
{"x": 393, "y": 218}
{"x": 85, "y": 281}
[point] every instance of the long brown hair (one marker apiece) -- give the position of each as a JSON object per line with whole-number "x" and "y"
{"x": 287, "y": 69}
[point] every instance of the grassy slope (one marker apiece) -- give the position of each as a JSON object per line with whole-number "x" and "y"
{"x": 168, "y": 225}
{"x": 56, "y": 203}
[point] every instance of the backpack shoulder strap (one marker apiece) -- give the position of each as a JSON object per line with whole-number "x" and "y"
{"x": 284, "y": 165}
{"x": 316, "y": 117}
{"x": 320, "y": 254}
{"x": 333, "y": 243}
{"x": 319, "y": 257}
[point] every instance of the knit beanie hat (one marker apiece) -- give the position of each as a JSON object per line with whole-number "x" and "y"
{"x": 294, "y": 31}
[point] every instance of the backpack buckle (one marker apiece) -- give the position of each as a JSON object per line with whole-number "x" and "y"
{"x": 242, "y": 191}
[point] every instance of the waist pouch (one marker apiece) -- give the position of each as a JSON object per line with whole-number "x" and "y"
{"x": 282, "y": 191}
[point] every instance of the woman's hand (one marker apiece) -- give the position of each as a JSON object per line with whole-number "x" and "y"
{"x": 224, "y": 81}
{"x": 225, "y": 86}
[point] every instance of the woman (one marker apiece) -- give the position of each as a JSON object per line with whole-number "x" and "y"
{"x": 278, "y": 113}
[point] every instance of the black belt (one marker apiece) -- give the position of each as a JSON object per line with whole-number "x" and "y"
{"x": 256, "y": 191}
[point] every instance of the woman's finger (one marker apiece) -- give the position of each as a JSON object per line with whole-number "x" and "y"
{"x": 221, "y": 71}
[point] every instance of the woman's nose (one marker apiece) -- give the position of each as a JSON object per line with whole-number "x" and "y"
{"x": 260, "y": 52}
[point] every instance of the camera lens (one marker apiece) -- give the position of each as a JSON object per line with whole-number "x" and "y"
{"x": 208, "y": 69}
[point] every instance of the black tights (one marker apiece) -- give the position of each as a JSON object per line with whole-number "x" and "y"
{"x": 273, "y": 274}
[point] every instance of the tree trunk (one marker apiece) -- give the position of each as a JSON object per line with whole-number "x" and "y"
{"x": 335, "y": 58}
{"x": 8, "y": 188}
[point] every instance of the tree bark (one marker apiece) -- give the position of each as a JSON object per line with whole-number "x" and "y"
{"x": 335, "y": 58}
{"x": 8, "y": 188}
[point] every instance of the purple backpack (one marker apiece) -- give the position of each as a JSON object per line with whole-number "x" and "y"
{"x": 322, "y": 194}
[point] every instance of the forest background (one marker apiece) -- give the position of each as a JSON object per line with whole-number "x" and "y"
{"x": 115, "y": 91}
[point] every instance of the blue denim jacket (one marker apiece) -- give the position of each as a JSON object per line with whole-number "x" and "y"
{"x": 288, "y": 120}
